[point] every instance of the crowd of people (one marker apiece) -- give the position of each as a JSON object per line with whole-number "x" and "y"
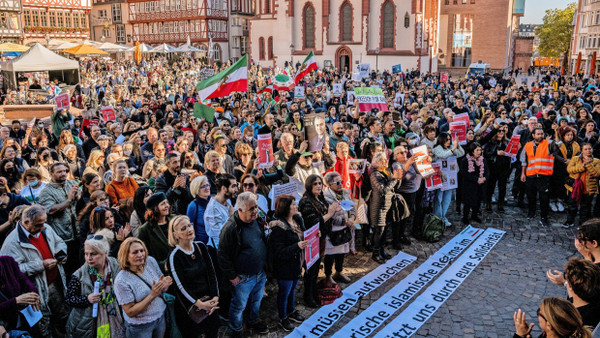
{"x": 161, "y": 223}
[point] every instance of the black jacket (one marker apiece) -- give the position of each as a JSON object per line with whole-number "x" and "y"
{"x": 382, "y": 186}
{"x": 179, "y": 198}
{"x": 284, "y": 250}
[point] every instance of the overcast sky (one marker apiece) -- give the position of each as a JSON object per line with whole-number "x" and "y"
{"x": 535, "y": 9}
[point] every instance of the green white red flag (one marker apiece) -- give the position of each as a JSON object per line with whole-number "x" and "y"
{"x": 309, "y": 64}
{"x": 232, "y": 79}
{"x": 283, "y": 82}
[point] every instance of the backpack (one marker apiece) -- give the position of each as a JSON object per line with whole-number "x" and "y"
{"x": 327, "y": 292}
{"x": 433, "y": 228}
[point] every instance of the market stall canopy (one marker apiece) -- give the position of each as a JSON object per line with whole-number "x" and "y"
{"x": 164, "y": 48}
{"x": 84, "y": 49}
{"x": 12, "y": 47}
{"x": 187, "y": 48}
{"x": 111, "y": 47}
{"x": 144, "y": 47}
{"x": 39, "y": 59}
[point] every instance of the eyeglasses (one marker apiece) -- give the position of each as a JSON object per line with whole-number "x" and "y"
{"x": 248, "y": 154}
{"x": 336, "y": 183}
{"x": 96, "y": 237}
{"x": 206, "y": 186}
{"x": 539, "y": 313}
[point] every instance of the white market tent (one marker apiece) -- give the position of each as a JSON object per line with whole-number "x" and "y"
{"x": 187, "y": 48}
{"x": 144, "y": 47}
{"x": 40, "y": 59}
{"x": 164, "y": 48}
{"x": 111, "y": 47}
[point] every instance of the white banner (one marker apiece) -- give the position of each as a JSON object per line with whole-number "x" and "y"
{"x": 364, "y": 324}
{"x": 322, "y": 320}
{"x": 416, "y": 314}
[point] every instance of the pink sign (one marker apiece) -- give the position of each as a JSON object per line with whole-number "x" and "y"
{"x": 513, "y": 146}
{"x": 62, "y": 101}
{"x": 265, "y": 151}
{"x": 108, "y": 113}
{"x": 311, "y": 252}
{"x": 443, "y": 77}
{"x": 459, "y": 130}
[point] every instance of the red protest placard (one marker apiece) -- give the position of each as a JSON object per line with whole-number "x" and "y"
{"x": 464, "y": 117}
{"x": 311, "y": 252}
{"x": 443, "y": 77}
{"x": 434, "y": 181}
{"x": 87, "y": 123}
{"x": 108, "y": 113}
{"x": 513, "y": 146}
{"x": 62, "y": 101}
{"x": 265, "y": 151}
{"x": 459, "y": 130}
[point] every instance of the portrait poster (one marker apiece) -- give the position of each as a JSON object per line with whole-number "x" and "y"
{"x": 337, "y": 89}
{"x": 311, "y": 252}
{"x": 316, "y": 131}
{"x": 357, "y": 166}
{"x": 422, "y": 160}
{"x": 299, "y": 93}
{"x": 265, "y": 151}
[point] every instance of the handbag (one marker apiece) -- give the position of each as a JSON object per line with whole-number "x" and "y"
{"x": 169, "y": 299}
{"x": 196, "y": 314}
{"x": 340, "y": 237}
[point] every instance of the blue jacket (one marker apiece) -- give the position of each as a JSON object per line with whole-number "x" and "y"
{"x": 195, "y": 212}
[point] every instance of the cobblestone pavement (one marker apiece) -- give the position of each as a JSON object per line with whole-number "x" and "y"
{"x": 512, "y": 276}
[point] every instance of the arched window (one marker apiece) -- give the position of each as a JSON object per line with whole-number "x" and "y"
{"x": 309, "y": 27}
{"x": 387, "y": 24}
{"x": 270, "y": 48}
{"x": 346, "y": 22}
{"x": 261, "y": 48}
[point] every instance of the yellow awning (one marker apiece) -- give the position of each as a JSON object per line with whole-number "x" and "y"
{"x": 84, "y": 49}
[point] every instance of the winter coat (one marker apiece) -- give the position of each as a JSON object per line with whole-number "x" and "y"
{"x": 592, "y": 170}
{"x": 287, "y": 257}
{"x": 472, "y": 192}
{"x": 380, "y": 202}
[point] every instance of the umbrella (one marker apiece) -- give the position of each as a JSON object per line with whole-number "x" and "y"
{"x": 164, "y": 48}
{"x": 85, "y": 49}
{"x": 63, "y": 45}
{"x": 12, "y": 47}
{"x": 111, "y": 47}
{"x": 593, "y": 64}
{"x": 578, "y": 64}
{"x": 144, "y": 48}
{"x": 188, "y": 48}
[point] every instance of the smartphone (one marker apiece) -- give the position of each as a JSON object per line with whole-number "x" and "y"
{"x": 60, "y": 255}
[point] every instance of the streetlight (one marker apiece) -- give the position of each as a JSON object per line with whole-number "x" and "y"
{"x": 292, "y": 49}
{"x": 377, "y": 60}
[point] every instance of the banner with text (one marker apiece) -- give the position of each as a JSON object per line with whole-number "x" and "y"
{"x": 369, "y": 98}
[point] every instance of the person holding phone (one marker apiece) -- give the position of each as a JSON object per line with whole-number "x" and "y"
{"x": 175, "y": 184}
{"x": 446, "y": 146}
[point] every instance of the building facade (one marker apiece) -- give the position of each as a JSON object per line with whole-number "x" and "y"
{"x": 56, "y": 19}
{"x": 176, "y": 21}
{"x": 241, "y": 11}
{"x": 11, "y": 26}
{"x": 479, "y": 30}
{"x": 109, "y": 21}
{"x": 586, "y": 35}
{"x": 345, "y": 33}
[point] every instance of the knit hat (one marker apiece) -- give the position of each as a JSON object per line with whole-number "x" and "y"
{"x": 155, "y": 200}
{"x": 566, "y": 129}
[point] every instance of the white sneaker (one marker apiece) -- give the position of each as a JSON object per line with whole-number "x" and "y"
{"x": 553, "y": 207}
{"x": 494, "y": 199}
{"x": 560, "y": 206}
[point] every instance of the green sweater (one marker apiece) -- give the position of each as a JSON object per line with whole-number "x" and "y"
{"x": 156, "y": 241}
{"x": 59, "y": 122}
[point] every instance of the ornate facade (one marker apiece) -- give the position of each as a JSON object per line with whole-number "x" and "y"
{"x": 56, "y": 19}
{"x": 241, "y": 11}
{"x": 586, "y": 35}
{"x": 344, "y": 33}
{"x": 174, "y": 21}
{"x": 11, "y": 27}
{"x": 109, "y": 21}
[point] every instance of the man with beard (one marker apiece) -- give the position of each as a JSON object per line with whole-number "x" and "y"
{"x": 337, "y": 135}
{"x": 220, "y": 208}
{"x": 175, "y": 184}
{"x": 537, "y": 161}
{"x": 92, "y": 142}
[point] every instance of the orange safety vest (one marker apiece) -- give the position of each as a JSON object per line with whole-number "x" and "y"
{"x": 539, "y": 163}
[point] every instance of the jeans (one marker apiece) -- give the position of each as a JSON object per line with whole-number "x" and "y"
{"x": 154, "y": 329}
{"x": 286, "y": 297}
{"x": 250, "y": 289}
{"x": 442, "y": 202}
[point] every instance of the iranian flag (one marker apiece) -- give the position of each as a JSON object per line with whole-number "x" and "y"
{"x": 283, "y": 82}
{"x": 309, "y": 64}
{"x": 266, "y": 89}
{"x": 232, "y": 79}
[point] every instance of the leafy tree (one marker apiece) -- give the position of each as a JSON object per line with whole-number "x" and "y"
{"x": 555, "y": 32}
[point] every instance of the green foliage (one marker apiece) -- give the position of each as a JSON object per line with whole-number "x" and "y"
{"x": 555, "y": 32}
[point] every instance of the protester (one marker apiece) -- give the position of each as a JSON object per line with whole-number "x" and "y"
{"x": 200, "y": 189}
{"x": 154, "y": 233}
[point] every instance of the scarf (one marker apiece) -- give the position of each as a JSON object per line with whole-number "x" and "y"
{"x": 479, "y": 162}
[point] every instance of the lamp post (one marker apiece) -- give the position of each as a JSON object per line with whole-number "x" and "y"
{"x": 292, "y": 50}
{"x": 377, "y": 60}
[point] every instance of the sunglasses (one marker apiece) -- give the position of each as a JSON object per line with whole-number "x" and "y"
{"x": 96, "y": 237}
{"x": 539, "y": 313}
{"x": 249, "y": 185}
{"x": 336, "y": 183}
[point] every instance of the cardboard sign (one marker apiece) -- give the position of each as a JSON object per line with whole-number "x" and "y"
{"x": 513, "y": 146}
{"x": 311, "y": 252}
{"x": 434, "y": 181}
{"x": 337, "y": 90}
{"x": 364, "y": 71}
{"x": 283, "y": 189}
{"x": 396, "y": 69}
{"x": 422, "y": 160}
{"x": 443, "y": 77}
{"x": 108, "y": 113}
{"x": 299, "y": 92}
{"x": 62, "y": 101}
{"x": 265, "y": 151}
{"x": 459, "y": 130}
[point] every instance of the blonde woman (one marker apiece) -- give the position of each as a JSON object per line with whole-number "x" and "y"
{"x": 95, "y": 163}
{"x": 193, "y": 271}
{"x": 212, "y": 166}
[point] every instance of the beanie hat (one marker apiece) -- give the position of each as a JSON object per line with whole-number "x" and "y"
{"x": 155, "y": 200}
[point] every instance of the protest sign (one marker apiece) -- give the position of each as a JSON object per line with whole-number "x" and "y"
{"x": 350, "y": 98}
{"x": 422, "y": 160}
{"x": 108, "y": 113}
{"x": 396, "y": 69}
{"x": 86, "y": 124}
{"x": 459, "y": 131}
{"x": 369, "y": 98}
{"x": 364, "y": 70}
{"x": 399, "y": 99}
{"x": 62, "y": 101}
{"x": 464, "y": 117}
{"x": 299, "y": 92}
{"x": 356, "y": 166}
{"x": 282, "y": 189}
{"x": 265, "y": 151}
{"x": 449, "y": 166}
{"x": 513, "y": 146}
{"x": 337, "y": 89}
{"x": 443, "y": 77}
{"x": 311, "y": 252}
{"x": 316, "y": 131}
{"x": 434, "y": 181}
